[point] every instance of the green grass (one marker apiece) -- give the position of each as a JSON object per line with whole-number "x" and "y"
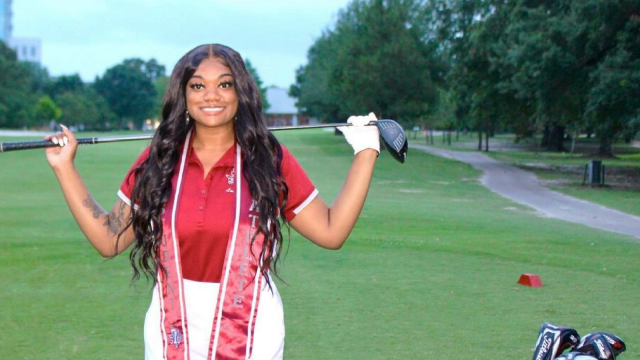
{"x": 60, "y": 300}
{"x": 626, "y": 201}
{"x": 430, "y": 270}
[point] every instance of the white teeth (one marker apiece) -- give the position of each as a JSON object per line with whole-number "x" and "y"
{"x": 212, "y": 109}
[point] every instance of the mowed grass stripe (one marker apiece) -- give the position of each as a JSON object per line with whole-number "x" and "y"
{"x": 430, "y": 269}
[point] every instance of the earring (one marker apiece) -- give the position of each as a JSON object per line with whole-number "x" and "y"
{"x": 235, "y": 118}
{"x": 187, "y": 117}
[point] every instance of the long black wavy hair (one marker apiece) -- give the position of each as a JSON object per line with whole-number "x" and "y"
{"x": 261, "y": 165}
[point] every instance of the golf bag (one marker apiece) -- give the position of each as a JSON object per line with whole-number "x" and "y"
{"x": 553, "y": 340}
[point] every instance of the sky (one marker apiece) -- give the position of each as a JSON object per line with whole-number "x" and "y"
{"x": 89, "y": 36}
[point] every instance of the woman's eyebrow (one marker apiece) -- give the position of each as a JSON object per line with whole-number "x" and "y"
{"x": 221, "y": 76}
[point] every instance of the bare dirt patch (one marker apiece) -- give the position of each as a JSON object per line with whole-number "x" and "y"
{"x": 616, "y": 177}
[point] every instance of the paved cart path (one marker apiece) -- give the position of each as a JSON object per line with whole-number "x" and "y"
{"x": 523, "y": 187}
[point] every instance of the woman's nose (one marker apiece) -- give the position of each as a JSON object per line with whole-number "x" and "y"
{"x": 211, "y": 95}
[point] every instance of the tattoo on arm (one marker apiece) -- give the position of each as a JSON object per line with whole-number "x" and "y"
{"x": 92, "y": 205}
{"x": 115, "y": 220}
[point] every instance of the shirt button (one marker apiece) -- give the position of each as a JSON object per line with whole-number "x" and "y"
{"x": 204, "y": 192}
{"x": 200, "y": 207}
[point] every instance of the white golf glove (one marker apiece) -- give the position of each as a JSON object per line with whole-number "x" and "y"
{"x": 360, "y": 136}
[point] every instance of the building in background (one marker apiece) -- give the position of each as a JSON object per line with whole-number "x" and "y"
{"x": 5, "y": 20}
{"x": 27, "y": 49}
{"x": 283, "y": 111}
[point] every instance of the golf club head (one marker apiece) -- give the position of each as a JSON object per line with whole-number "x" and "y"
{"x": 393, "y": 138}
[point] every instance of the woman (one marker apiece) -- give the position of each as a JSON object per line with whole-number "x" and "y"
{"x": 203, "y": 208}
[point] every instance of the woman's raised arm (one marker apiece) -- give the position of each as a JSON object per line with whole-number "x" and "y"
{"x": 101, "y": 228}
{"x": 327, "y": 226}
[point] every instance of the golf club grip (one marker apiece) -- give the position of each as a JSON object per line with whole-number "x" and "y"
{"x": 39, "y": 144}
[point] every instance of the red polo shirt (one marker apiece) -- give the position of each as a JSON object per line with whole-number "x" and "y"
{"x": 206, "y": 209}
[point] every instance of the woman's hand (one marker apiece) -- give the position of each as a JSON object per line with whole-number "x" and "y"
{"x": 63, "y": 154}
{"x": 361, "y": 135}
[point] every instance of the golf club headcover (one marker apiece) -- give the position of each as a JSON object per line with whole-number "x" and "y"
{"x": 602, "y": 346}
{"x": 360, "y": 136}
{"x": 616, "y": 343}
{"x": 574, "y": 355}
{"x": 553, "y": 340}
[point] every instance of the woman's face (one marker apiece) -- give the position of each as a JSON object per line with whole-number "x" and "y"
{"x": 211, "y": 95}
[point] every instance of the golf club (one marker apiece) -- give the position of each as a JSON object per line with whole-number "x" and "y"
{"x": 391, "y": 133}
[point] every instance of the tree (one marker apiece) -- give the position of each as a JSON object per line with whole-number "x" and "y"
{"x": 16, "y": 95}
{"x": 313, "y": 89}
{"x": 152, "y": 69}
{"x": 613, "y": 101}
{"x": 81, "y": 105}
{"x": 375, "y": 59}
{"x": 544, "y": 66}
{"x": 546, "y": 52}
{"x": 47, "y": 110}
{"x": 160, "y": 84}
{"x": 444, "y": 114}
{"x": 568, "y": 58}
{"x": 85, "y": 110}
{"x": 256, "y": 78}
{"x": 129, "y": 90}
{"x": 63, "y": 84}
{"x": 39, "y": 76}
{"x": 468, "y": 32}
{"x": 106, "y": 119}
{"x": 470, "y": 35}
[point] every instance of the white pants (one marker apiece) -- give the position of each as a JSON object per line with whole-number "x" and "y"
{"x": 268, "y": 342}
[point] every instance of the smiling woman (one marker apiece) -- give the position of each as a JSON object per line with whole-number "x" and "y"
{"x": 203, "y": 209}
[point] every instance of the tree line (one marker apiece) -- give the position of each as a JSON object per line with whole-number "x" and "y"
{"x": 124, "y": 97}
{"x": 547, "y": 68}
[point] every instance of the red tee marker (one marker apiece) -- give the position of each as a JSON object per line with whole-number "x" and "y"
{"x": 532, "y": 280}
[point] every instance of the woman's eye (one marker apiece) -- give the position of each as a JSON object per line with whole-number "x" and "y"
{"x": 196, "y": 86}
{"x": 226, "y": 84}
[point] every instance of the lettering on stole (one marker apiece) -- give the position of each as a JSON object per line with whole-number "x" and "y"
{"x": 245, "y": 260}
{"x": 165, "y": 259}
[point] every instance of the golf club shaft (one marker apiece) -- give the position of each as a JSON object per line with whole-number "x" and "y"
{"x": 39, "y": 144}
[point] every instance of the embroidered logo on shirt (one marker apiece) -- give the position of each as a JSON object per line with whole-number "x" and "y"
{"x": 176, "y": 337}
{"x": 230, "y": 179}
